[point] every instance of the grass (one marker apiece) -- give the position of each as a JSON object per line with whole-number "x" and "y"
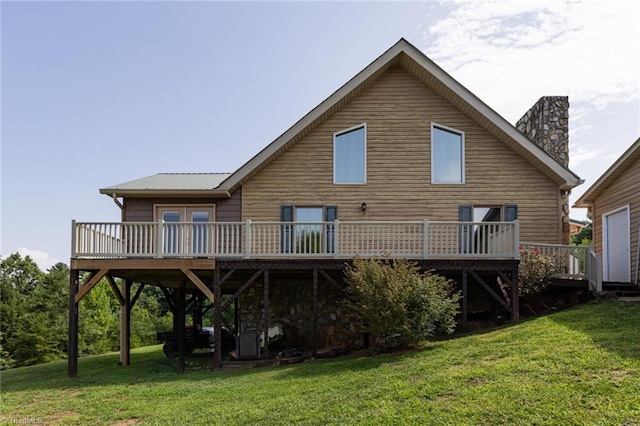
{"x": 576, "y": 367}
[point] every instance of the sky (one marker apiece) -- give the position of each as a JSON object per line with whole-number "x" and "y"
{"x": 94, "y": 94}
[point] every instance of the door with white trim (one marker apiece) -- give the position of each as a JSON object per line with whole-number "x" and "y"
{"x": 186, "y": 229}
{"x": 616, "y": 244}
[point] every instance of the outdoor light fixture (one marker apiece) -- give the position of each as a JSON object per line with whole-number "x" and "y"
{"x": 364, "y": 207}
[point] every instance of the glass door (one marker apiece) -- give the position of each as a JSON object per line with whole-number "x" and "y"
{"x": 186, "y": 230}
{"x": 200, "y": 234}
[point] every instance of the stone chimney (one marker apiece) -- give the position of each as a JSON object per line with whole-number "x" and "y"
{"x": 547, "y": 125}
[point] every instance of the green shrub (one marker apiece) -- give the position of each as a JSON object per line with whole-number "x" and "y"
{"x": 535, "y": 270}
{"x": 400, "y": 305}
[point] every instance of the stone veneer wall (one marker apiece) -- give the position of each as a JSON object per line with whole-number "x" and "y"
{"x": 291, "y": 306}
{"x": 547, "y": 125}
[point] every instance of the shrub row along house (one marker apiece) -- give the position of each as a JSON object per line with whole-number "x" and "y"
{"x": 401, "y": 161}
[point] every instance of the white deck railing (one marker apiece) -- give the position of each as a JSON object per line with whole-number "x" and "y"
{"x": 418, "y": 240}
{"x": 578, "y": 262}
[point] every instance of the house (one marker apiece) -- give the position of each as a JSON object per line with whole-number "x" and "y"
{"x": 576, "y": 226}
{"x": 613, "y": 202}
{"x": 401, "y": 161}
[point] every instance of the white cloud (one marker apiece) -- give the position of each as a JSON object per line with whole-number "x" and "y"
{"x": 41, "y": 258}
{"x": 589, "y": 50}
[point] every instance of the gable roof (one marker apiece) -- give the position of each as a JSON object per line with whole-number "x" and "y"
{"x": 409, "y": 57}
{"x": 625, "y": 161}
{"x": 402, "y": 54}
{"x": 166, "y": 184}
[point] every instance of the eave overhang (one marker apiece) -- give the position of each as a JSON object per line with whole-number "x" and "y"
{"x": 626, "y": 160}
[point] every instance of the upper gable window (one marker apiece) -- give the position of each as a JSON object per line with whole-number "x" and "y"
{"x": 350, "y": 155}
{"x": 447, "y": 155}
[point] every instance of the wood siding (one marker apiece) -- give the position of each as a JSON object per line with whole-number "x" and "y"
{"x": 141, "y": 209}
{"x": 624, "y": 191}
{"x": 398, "y": 110}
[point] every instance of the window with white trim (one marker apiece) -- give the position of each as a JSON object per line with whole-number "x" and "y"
{"x": 447, "y": 155}
{"x": 350, "y": 155}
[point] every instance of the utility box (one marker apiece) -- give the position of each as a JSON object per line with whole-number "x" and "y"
{"x": 248, "y": 346}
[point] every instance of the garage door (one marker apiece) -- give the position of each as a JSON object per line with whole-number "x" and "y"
{"x": 616, "y": 232}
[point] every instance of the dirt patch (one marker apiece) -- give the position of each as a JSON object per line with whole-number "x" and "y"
{"x": 58, "y": 417}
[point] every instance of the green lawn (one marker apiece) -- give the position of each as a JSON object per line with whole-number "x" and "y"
{"x": 580, "y": 366}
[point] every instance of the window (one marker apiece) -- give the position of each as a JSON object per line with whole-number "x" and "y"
{"x": 350, "y": 156}
{"x": 447, "y": 155}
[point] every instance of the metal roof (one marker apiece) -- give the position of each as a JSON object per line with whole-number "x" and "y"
{"x": 169, "y": 182}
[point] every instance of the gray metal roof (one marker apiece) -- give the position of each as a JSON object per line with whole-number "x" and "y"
{"x": 171, "y": 181}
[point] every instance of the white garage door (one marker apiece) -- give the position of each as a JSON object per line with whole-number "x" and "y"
{"x": 616, "y": 232}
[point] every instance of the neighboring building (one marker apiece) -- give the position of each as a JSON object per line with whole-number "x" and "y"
{"x": 614, "y": 203}
{"x": 575, "y": 226}
{"x": 401, "y": 161}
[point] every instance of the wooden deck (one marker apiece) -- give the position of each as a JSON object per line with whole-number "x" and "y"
{"x": 208, "y": 260}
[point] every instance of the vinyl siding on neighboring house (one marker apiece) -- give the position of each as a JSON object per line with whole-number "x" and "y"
{"x": 624, "y": 191}
{"x": 398, "y": 110}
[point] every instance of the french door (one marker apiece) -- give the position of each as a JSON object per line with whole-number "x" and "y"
{"x": 186, "y": 230}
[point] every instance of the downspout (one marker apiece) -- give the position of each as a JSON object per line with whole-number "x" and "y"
{"x": 119, "y": 204}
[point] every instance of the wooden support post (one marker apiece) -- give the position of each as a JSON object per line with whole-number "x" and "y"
{"x": 315, "y": 313}
{"x": 515, "y": 302}
{"x": 125, "y": 323}
{"x": 197, "y": 311}
{"x": 217, "y": 320}
{"x": 267, "y": 320}
{"x": 465, "y": 299}
{"x": 180, "y": 323}
{"x": 72, "y": 351}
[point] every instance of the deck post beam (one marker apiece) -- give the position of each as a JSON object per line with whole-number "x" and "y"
{"x": 180, "y": 304}
{"x": 490, "y": 291}
{"x": 333, "y": 282}
{"x": 92, "y": 281}
{"x": 116, "y": 290}
{"x": 217, "y": 320}
{"x": 198, "y": 283}
{"x": 267, "y": 320}
{"x": 515, "y": 302}
{"x": 72, "y": 350}
{"x": 465, "y": 299}
{"x": 315, "y": 313}
{"x": 125, "y": 323}
{"x": 134, "y": 299}
{"x": 169, "y": 296}
{"x": 242, "y": 288}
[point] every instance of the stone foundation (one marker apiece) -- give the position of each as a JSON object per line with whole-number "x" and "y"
{"x": 291, "y": 307}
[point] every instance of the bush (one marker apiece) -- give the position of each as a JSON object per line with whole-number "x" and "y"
{"x": 400, "y": 306}
{"x": 535, "y": 270}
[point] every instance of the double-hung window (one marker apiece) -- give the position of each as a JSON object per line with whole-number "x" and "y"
{"x": 447, "y": 155}
{"x": 350, "y": 155}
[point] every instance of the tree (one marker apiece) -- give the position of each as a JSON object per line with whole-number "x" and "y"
{"x": 400, "y": 305}
{"x": 584, "y": 237}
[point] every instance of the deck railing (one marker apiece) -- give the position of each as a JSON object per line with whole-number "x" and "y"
{"x": 415, "y": 239}
{"x": 578, "y": 262}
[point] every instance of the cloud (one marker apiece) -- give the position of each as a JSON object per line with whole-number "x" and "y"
{"x": 41, "y": 258}
{"x": 589, "y": 50}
